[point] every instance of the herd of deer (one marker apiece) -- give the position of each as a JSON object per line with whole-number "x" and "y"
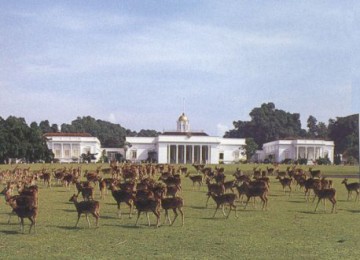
{"x": 137, "y": 186}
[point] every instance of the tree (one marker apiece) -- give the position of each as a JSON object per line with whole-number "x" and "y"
{"x": 268, "y": 124}
{"x": 344, "y": 131}
{"x": 88, "y": 157}
{"x": 316, "y": 129}
{"x": 312, "y": 126}
{"x": 251, "y": 147}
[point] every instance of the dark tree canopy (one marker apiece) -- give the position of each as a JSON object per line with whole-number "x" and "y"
{"x": 344, "y": 131}
{"x": 109, "y": 134}
{"x": 268, "y": 124}
{"x": 18, "y": 140}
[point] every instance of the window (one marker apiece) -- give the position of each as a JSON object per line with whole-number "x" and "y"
{"x": 133, "y": 154}
{"x": 75, "y": 150}
{"x": 221, "y": 156}
{"x": 57, "y": 150}
{"x": 67, "y": 151}
{"x": 236, "y": 155}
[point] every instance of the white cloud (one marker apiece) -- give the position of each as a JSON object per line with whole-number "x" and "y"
{"x": 221, "y": 129}
{"x": 112, "y": 118}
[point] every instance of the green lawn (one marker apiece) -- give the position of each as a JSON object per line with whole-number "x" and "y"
{"x": 289, "y": 229}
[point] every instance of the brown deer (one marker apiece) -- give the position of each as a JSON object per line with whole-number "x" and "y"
{"x": 122, "y": 196}
{"x": 24, "y": 211}
{"x": 355, "y": 186}
{"x": 195, "y": 179}
{"x": 214, "y": 188}
{"x": 175, "y": 203}
{"x": 86, "y": 207}
{"x": 257, "y": 190}
{"x": 323, "y": 194}
{"x": 222, "y": 200}
{"x": 285, "y": 182}
{"x": 147, "y": 205}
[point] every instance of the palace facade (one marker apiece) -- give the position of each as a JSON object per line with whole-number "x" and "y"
{"x": 184, "y": 146}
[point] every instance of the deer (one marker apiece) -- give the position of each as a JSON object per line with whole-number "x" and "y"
{"x": 24, "y": 209}
{"x": 285, "y": 182}
{"x": 86, "y": 207}
{"x": 214, "y": 188}
{"x": 259, "y": 190}
{"x": 355, "y": 186}
{"x": 222, "y": 200}
{"x": 174, "y": 203}
{"x": 309, "y": 185}
{"x": 325, "y": 194}
{"x": 195, "y": 179}
{"x": 314, "y": 173}
{"x": 21, "y": 203}
{"x": 123, "y": 196}
{"x": 147, "y": 205}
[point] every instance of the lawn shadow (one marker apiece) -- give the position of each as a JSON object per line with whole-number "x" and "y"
{"x": 67, "y": 227}
{"x": 353, "y": 211}
{"x": 297, "y": 201}
{"x": 196, "y": 207}
{"x": 9, "y": 232}
{"x": 68, "y": 210}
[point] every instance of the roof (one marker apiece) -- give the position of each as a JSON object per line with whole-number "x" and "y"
{"x": 185, "y": 133}
{"x": 183, "y": 118}
{"x": 68, "y": 134}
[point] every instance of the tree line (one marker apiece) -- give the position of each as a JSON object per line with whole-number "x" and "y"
{"x": 269, "y": 124}
{"x": 19, "y": 140}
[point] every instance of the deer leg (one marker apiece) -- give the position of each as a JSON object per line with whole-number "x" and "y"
{"x": 130, "y": 206}
{"x": 119, "y": 210}
{"x": 290, "y": 191}
{"x": 157, "y": 214}
{"x": 317, "y": 204}
{"x": 334, "y": 205}
{"x": 247, "y": 202}
{"x": 137, "y": 217}
{"x": 175, "y": 216}
{"x": 263, "y": 202}
{"x": 223, "y": 210}
{"x": 131, "y": 209}
{"x": 32, "y": 224}
{"x": 207, "y": 201}
{"x": 77, "y": 220}
{"x": 166, "y": 217}
{"x": 148, "y": 219}
{"x": 215, "y": 211}
{"x": 21, "y": 225}
{"x": 87, "y": 218}
{"x": 235, "y": 210}
{"x": 229, "y": 212}
{"x": 96, "y": 216}
{"x": 182, "y": 216}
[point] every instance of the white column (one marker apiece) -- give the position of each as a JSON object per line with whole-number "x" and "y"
{"x": 168, "y": 153}
{"x": 177, "y": 152}
{"x": 192, "y": 154}
{"x": 185, "y": 154}
{"x": 297, "y": 152}
{"x": 200, "y": 153}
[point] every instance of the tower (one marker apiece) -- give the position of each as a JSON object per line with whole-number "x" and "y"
{"x": 183, "y": 124}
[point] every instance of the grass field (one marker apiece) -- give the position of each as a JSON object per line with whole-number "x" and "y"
{"x": 289, "y": 229}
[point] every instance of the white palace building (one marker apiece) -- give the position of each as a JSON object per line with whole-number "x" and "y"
{"x": 184, "y": 146}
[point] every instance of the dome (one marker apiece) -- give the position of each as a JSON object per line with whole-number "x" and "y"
{"x": 183, "y": 118}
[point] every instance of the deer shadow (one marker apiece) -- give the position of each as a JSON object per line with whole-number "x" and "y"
{"x": 7, "y": 232}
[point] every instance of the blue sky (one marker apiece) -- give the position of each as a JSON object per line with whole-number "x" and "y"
{"x": 134, "y": 62}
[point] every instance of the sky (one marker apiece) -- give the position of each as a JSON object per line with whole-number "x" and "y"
{"x": 141, "y": 63}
